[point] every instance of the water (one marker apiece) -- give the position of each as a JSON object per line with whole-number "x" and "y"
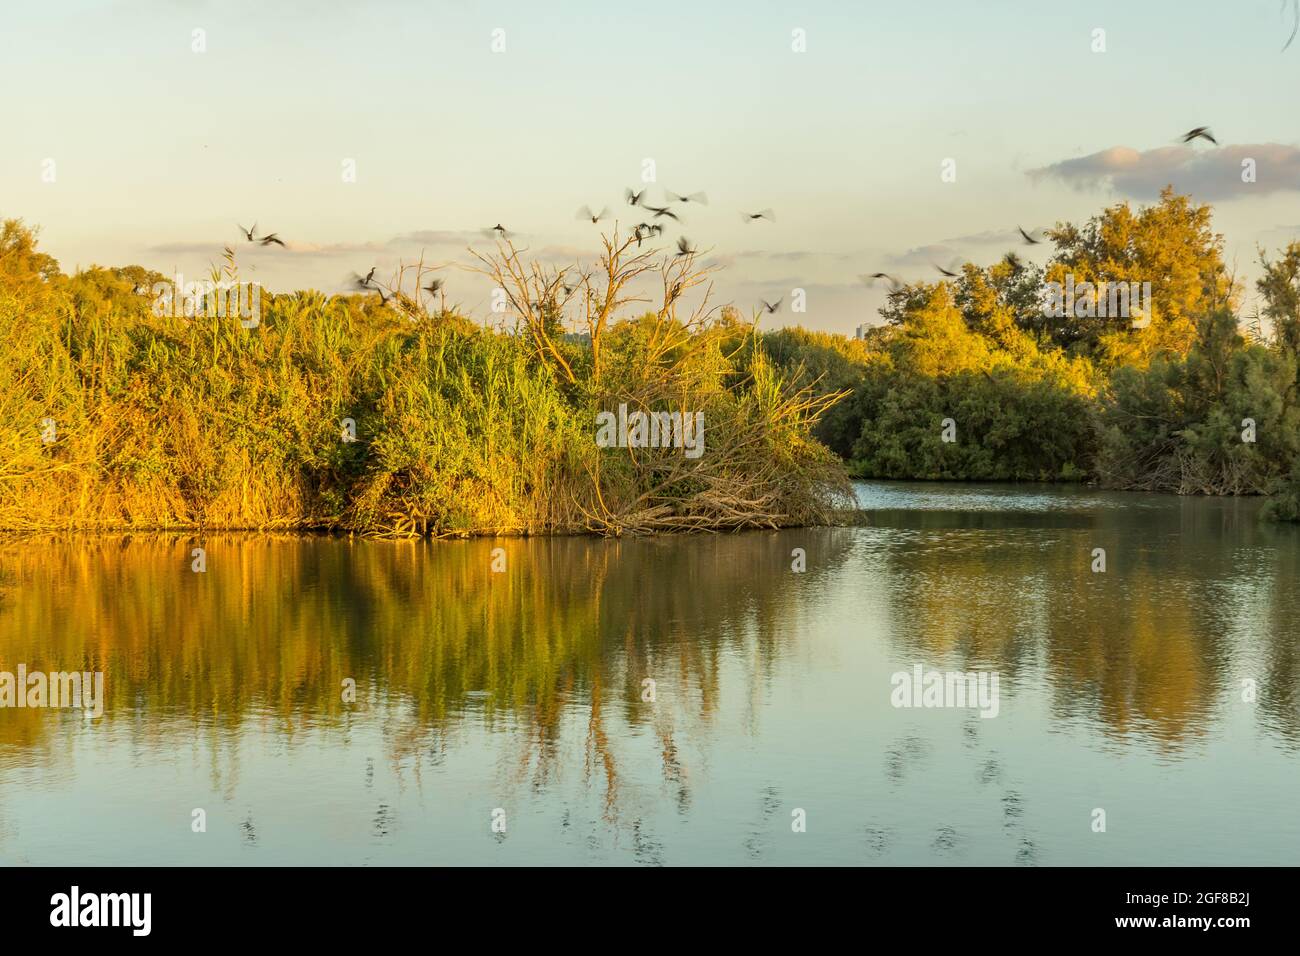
{"x": 522, "y": 692}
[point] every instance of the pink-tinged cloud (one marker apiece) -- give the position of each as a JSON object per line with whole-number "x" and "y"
{"x": 1204, "y": 173}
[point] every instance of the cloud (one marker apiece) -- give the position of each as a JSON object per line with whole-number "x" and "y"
{"x": 794, "y": 255}
{"x": 409, "y": 244}
{"x": 405, "y": 242}
{"x": 989, "y": 237}
{"x": 952, "y": 252}
{"x": 1208, "y": 174}
{"x": 942, "y": 254}
{"x": 782, "y": 282}
{"x": 564, "y": 255}
{"x": 290, "y": 247}
{"x": 185, "y": 248}
{"x": 437, "y": 237}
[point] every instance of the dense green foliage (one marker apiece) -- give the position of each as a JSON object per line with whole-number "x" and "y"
{"x": 1190, "y": 400}
{"x": 175, "y": 421}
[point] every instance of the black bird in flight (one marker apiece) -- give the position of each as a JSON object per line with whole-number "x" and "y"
{"x": 684, "y": 247}
{"x": 755, "y": 216}
{"x": 1029, "y": 240}
{"x": 663, "y": 211}
{"x": 1013, "y": 261}
{"x": 948, "y": 272}
{"x": 272, "y": 238}
{"x": 586, "y": 213}
{"x": 434, "y": 286}
{"x": 248, "y": 233}
{"x": 1295, "y": 21}
{"x": 497, "y": 232}
{"x": 632, "y": 198}
{"x": 1200, "y": 132}
{"x": 687, "y": 197}
{"x": 894, "y": 284}
{"x": 772, "y": 307}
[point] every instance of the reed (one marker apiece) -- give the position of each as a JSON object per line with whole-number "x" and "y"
{"x": 173, "y": 422}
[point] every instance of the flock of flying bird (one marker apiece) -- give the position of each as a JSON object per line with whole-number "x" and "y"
{"x": 652, "y": 226}
{"x": 643, "y": 230}
{"x": 1030, "y": 239}
{"x": 270, "y": 239}
{"x": 895, "y": 284}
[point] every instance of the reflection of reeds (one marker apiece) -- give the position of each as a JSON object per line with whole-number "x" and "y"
{"x": 425, "y": 628}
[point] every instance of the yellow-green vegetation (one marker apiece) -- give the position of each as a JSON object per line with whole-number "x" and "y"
{"x": 420, "y": 623}
{"x": 175, "y": 422}
{"x": 1192, "y": 400}
{"x": 166, "y": 421}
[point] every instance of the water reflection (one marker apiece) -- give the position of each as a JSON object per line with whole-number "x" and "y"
{"x": 432, "y": 637}
{"x": 768, "y": 692}
{"x": 1196, "y": 597}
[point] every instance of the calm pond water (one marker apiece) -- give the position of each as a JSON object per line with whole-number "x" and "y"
{"x": 522, "y": 692}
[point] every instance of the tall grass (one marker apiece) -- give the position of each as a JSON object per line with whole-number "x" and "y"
{"x": 166, "y": 422}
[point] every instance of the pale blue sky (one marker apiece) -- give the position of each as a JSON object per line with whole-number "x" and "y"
{"x": 159, "y": 150}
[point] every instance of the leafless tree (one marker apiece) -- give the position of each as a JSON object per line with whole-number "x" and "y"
{"x": 544, "y": 296}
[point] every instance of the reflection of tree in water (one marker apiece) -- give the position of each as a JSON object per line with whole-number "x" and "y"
{"x": 1140, "y": 649}
{"x": 430, "y": 635}
{"x": 1279, "y": 688}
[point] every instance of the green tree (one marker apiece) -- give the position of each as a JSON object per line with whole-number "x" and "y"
{"x": 1172, "y": 246}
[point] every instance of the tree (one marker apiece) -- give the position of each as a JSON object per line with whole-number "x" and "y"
{"x": 1170, "y": 245}
{"x": 19, "y": 260}
{"x": 1280, "y": 289}
{"x": 541, "y": 296}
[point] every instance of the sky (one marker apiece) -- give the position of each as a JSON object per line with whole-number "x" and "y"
{"x": 158, "y": 149}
